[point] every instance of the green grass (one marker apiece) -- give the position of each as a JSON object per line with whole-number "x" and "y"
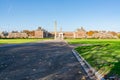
{"x": 18, "y": 41}
{"x": 103, "y": 55}
{"x": 92, "y": 41}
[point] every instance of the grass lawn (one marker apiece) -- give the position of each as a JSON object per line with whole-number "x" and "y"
{"x": 18, "y": 41}
{"x": 103, "y": 55}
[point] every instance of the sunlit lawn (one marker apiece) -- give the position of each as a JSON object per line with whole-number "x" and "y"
{"x": 103, "y": 55}
{"x": 18, "y": 41}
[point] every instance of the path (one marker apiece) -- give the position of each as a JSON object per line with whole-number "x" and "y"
{"x": 39, "y": 61}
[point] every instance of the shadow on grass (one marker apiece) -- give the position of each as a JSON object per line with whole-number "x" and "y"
{"x": 114, "y": 73}
{"x": 103, "y": 58}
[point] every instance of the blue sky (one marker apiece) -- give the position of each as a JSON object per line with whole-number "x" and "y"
{"x": 69, "y": 14}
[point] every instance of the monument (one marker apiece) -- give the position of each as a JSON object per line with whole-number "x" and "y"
{"x": 58, "y": 35}
{"x": 55, "y": 29}
{"x": 61, "y": 34}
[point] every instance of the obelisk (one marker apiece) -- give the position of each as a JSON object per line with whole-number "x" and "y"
{"x": 55, "y": 26}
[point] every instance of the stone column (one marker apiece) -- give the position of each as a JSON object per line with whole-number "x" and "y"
{"x": 55, "y": 29}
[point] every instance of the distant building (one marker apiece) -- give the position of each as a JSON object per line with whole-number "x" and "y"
{"x": 1, "y": 35}
{"x": 80, "y": 33}
{"x": 104, "y": 35}
{"x": 17, "y": 35}
{"x": 41, "y": 33}
{"x": 68, "y": 34}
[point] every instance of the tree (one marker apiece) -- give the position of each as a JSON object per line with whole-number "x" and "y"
{"x": 5, "y": 33}
{"x": 113, "y": 33}
{"x": 14, "y": 31}
{"x": 118, "y": 35}
{"x": 39, "y": 28}
{"x": 29, "y": 33}
{"x": 90, "y": 33}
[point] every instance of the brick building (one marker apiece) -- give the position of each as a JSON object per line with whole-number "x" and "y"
{"x": 80, "y": 33}
{"x": 68, "y": 34}
{"x": 17, "y": 35}
{"x": 41, "y": 33}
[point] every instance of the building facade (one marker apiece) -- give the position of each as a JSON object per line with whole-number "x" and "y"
{"x": 17, "y": 35}
{"x": 78, "y": 33}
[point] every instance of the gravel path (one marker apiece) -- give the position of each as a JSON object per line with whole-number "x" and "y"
{"x": 39, "y": 61}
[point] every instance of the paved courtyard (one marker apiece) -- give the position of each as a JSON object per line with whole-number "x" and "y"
{"x": 39, "y": 61}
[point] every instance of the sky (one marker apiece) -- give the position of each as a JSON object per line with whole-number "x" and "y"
{"x": 69, "y": 14}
